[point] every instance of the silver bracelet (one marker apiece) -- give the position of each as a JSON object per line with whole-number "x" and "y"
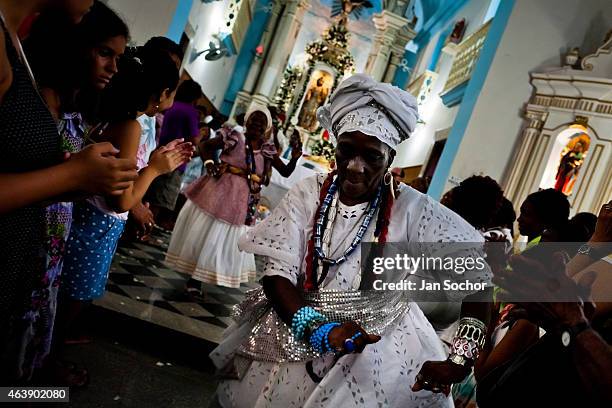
{"x": 469, "y": 339}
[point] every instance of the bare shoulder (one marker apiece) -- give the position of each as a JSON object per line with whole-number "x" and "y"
{"x": 124, "y": 128}
{"x": 125, "y": 135}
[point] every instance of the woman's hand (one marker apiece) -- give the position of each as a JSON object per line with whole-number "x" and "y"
{"x": 438, "y": 376}
{"x": 97, "y": 170}
{"x": 340, "y": 334}
{"x": 603, "y": 228}
{"x": 296, "y": 151}
{"x": 168, "y": 158}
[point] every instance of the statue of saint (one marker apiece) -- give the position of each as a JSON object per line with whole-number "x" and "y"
{"x": 568, "y": 169}
{"x": 315, "y": 97}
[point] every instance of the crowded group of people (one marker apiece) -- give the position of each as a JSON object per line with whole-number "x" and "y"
{"x": 100, "y": 138}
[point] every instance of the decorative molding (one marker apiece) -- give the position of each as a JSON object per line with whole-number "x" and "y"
{"x": 464, "y": 63}
{"x": 601, "y": 60}
{"x": 455, "y": 95}
{"x": 451, "y": 49}
{"x": 422, "y": 86}
{"x": 572, "y": 103}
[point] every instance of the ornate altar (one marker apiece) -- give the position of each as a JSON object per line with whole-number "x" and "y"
{"x": 304, "y": 89}
{"x": 566, "y": 142}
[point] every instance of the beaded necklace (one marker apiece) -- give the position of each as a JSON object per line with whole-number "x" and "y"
{"x": 251, "y": 167}
{"x": 319, "y": 255}
{"x": 310, "y": 281}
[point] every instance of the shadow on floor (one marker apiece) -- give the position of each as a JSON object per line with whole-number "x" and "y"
{"x": 134, "y": 363}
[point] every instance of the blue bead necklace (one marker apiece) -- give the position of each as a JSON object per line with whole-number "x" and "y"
{"x": 321, "y": 223}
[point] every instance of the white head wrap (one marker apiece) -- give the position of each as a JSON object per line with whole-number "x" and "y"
{"x": 378, "y": 109}
{"x": 262, "y": 109}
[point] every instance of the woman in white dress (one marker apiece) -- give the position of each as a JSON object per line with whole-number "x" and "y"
{"x": 307, "y": 338}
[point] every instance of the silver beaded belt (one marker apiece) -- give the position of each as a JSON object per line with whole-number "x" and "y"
{"x": 270, "y": 339}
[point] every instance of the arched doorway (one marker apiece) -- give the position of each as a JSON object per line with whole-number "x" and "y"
{"x": 568, "y": 152}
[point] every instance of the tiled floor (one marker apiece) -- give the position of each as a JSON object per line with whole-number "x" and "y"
{"x": 141, "y": 286}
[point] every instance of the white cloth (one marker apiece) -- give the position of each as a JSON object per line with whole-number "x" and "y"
{"x": 147, "y": 136}
{"x": 207, "y": 249}
{"x": 383, "y": 374}
{"x": 396, "y": 110}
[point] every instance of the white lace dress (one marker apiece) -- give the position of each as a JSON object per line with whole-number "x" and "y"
{"x": 383, "y": 374}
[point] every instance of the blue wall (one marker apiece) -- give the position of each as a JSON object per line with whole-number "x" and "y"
{"x": 251, "y": 40}
{"x": 177, "y": 25}
{"x": 474, "y": 86}
{"x": 439, "y": 15}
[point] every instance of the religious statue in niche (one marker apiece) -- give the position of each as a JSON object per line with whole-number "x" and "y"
{"x": 316, "y": 95}
{"x": 572, "y": 158}
{"x": 457, "y": 35}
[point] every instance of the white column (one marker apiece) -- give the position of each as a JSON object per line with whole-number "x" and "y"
{"x": 280, "y": 49}
{"x": 244, "y": 97}
{"x": 391, "y": 31}
{"x": 524, "y": 165}
{"x": 266, "y": 42}
{"x": 404, "y": 35}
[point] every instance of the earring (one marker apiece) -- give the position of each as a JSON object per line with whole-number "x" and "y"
{"x": 388, "y": 180}
{"x": 156, "y": 108}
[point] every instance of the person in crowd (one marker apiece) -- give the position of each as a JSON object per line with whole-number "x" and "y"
{"x": 223, "y": 203}
{"x": 295, "y": 344}
{"x": 180, "y": 122}
{"x": 541, "y": 210}
{"x": 141, "y": 219}
{"x": 145, "y": 83}
{"x": 89, "y": 52}
{"x": 510, "y": 354}
{"x": 151, "y": 125}
{"x": 477, "y": 199}
{"x": 503, "y": 221}
{"x": 584, "y": 223}
{"x": 34, "y": 173}
{"x": 575, "y": 354}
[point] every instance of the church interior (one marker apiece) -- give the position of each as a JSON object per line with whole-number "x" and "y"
{"x": 516, "y": 90}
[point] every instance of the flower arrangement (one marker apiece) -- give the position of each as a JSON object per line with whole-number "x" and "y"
{"x": 324, "y": 148}
{"x": 333, "y": 49}
{"x": 284, "y": 95}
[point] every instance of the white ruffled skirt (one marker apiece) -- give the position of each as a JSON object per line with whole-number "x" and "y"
{"x": 207, "y": 248}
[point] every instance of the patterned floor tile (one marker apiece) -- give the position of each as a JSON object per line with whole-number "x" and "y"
{"x": 141, "y": 285}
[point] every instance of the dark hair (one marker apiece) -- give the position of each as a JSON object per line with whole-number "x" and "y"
{"x": 188, "y": 91}
{"x": 164, "y": 44}
{"x": 584, "y": 223}
{"x": 551, "y": 206}
{"x": 54, "y": 38}
{"x": 98, "y": 25}
{"x": 506, "y": 215}
{"x": 142, "y": 75}
{"x": 58, "y": 50}
{"x": 477, "y": 199}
